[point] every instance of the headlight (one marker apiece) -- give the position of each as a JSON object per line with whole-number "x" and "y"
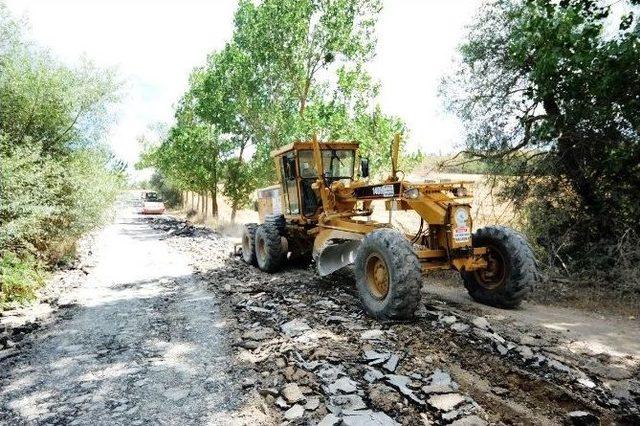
{"x": 412, "y": 193}
{"x": 460, "y": 191}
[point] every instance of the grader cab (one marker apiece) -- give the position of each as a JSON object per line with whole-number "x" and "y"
{"x": 321, "y": 209}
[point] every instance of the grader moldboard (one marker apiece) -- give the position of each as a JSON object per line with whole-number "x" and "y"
{"x": 326, "y": 216}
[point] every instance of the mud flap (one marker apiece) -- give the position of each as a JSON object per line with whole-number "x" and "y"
{"x": 337, "y": 256}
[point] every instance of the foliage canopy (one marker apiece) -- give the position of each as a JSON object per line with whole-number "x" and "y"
{"x": 550, "y": 94}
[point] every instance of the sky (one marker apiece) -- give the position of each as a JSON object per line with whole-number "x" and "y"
{"x": 154, "y": 44}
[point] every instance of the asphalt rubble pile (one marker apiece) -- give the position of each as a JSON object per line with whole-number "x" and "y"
{"x": 315, "y": 357}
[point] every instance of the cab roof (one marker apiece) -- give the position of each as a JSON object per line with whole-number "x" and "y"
{"x": 298, "y": 145}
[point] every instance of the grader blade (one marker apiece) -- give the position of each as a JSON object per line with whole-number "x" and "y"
{"x": 337, "y": 256}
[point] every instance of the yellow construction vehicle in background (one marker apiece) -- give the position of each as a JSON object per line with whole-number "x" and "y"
{"x": 322, "y": 209}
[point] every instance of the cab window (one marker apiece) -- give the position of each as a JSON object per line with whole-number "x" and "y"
{"x": 307, "y": 165}
{"x": 338, "y": 163}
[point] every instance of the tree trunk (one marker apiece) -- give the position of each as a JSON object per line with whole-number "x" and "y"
{"x": 305, "y": 94}
{"x": 214, "y": 203}
{"x": 234, "y": 203}
{"x": 205, "y": 196}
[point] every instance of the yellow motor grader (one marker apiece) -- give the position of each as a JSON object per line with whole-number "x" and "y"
{"x": 321, "y": 210}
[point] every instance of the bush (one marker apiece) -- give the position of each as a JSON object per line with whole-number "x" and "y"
{"x": 56, "y": 178}
{"x": 19, "y": 278}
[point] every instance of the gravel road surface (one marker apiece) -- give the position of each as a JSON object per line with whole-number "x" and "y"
{"x": 165, "y": 327}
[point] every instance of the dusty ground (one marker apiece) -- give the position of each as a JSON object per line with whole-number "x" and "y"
{"x": 142, "y": 341}
{"x": 168, "y": 328}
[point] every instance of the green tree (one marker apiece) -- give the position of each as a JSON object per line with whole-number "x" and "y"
{"x": 57, "y": 178}
{"x": 550, "y": 94}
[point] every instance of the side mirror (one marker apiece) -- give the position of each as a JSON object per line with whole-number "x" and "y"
{"x": 364, "y": 167}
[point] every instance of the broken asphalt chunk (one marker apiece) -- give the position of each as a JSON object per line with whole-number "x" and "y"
{"x": 400, "y": 382}
{"x": 375, "y": 358}
{"x": 440, "y": 382}
{"x": 295, "y": 327}
{"x": 294, "y": 412}
{"x": 391, "y": 364}
{"x": 581, "y": 418}
{"x": 344, "y": 385}
{"x": 292, "y": 393}
{"x": 368, "y": 418}
{"x": 446, "y": 401}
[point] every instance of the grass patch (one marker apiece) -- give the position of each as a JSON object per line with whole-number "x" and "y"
{"x": 20, "y": 278}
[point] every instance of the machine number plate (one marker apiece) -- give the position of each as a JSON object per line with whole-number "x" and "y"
{"x": 461, "y": 234}
{"x": 384, "y": 191}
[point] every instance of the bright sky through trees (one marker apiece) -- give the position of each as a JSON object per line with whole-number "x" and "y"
{"x": 155, "y": 44}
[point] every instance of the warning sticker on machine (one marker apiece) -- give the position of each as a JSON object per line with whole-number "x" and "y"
{"x": 461, "y": 234}
{"x": 384, "y": 190}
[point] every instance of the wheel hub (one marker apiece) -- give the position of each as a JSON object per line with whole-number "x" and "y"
{"x": 494, "y": 275}
{"x": 245, "y": 244}
{"x": 260, "y": 249}
{"x": 377, "y": 276}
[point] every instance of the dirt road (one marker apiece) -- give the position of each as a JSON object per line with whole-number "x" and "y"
{"x": 143, "y": 342}
{"x": 169, "y": 329}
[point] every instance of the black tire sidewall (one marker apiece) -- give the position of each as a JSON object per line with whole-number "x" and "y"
{"x": 517, "y": 254}
{"x": 404, "y": 275}
{"x": 249, "y": 231}
{"x": 273, "y": 258}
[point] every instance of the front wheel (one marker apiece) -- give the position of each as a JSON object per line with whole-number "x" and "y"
{"x": 511, "y": 272}
{"x": 388, "y": 275}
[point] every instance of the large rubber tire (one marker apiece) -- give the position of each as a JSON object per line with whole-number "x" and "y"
{"x": 249, "y": 243}
{"x": 268, "y": 247}
{"x": 518, "y": 277}
{"x": 403, "y": 271}
{"x": 278, "y": 221}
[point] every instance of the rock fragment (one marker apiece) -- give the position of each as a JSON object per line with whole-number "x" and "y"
{"x": 448, "y": 320}
{"x": 373, "y": 375}
{"x": 368, "y": 418}
{"x": 392, "y": 363}
{"x": 481, "y": 322}
{"x": 280, "y": 402}
{"x": 586, "y": 383}
{"x": 344, "y": 403}
{"x": 459, "y": 327}
{"x": 258, "y": 333}
{"x": 295, "y": 412}
{"x": 469, "y": 421}
{"x": 344, "y": 385}
{"x": 440, "y": 382}
{"x": 372, "y": 335}
{"x": 329, "y": 420}
{"x": 400, "y": 382}
{"x": 581, "y": 418}
{"x": 446, "y": 402}
{"x": 313, "y": 402}
{"x": 375, "y": 358}
{"x": 295, "y": 327}
{"x": 292, "y": 393}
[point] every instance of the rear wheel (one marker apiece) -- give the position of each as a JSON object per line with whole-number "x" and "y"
{"x": 278, "y": 221}
{"x": 388, "y": 275}
{"x": 269, "y": 248}
{"x": 248, "y": 243}
{"x": 511, "y": 272}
